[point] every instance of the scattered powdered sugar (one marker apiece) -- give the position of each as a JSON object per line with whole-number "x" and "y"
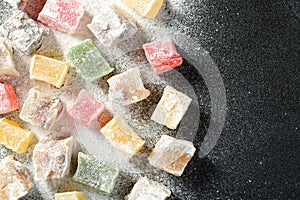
{"x": 128, "y": 54}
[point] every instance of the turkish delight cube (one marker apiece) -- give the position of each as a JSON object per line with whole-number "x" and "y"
{"x": 171, "y": 108}
{"x": 121, "y": 135}
{"x": 13, "y": 136}
{"x": 31, "y": 7}
{"x": 87, "y": 60}
{"x": 86, "y": 108}
{"x": 7, "y": 65}
{"x": 8, "y": 98}
{"x": 111, "y": 26}
{"x": 172, "y": 155}
{"x": 41, "y": 110}
{"x": 22, "y": 33}
{"x": 148, "y": 189}
{"x": 63, "y": 15}
{"x": 147, "y": 8}
{"x": 48, "y": 70}
{"x": 162, "y": 55}
{"x": 52, "y": 157}
{"x": 15, "y": 180}
{"x": 127, "y": 87}
{"x": 70, "y": 196}
{"x": 95, "y": 173}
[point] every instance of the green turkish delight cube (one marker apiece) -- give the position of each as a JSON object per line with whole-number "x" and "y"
{"x": 95, "y": 173}
{"x": 87, "y": 60}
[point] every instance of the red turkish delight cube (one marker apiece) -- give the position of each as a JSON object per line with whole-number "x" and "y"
{"x": 8, "y": 98}
{"x": 32, "y": 7}
{"x": 86, "y": 108}
{"x": 63, "y": 15}
{"x": 162, "y": 55}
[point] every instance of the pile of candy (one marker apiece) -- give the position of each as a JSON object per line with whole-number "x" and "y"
{"x": 23, "y": 33}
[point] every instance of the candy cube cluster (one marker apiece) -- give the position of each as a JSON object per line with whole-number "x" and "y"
{"x": 7, "y": 66}
{"x": 87, "y": 60}
{"x": 13, "y": 136}
{"x": 63, "y": 15}
{"x": 127, "y": 87}
{"x": 52, "y": 157}
{"x": 86, "y": 108}
{"x": 8, "y": 99}
{"x": 121, "y": 135}
{"x": 162, "y": 55}
{"x": 111, "y": 26}
{"x": 70, "y": 196}
{"x": 22, "y": 33}
{"x": 48, "y": 70}
{"x": 171, "y": 108}
{"x": 15, "y": 181}
{"x": 147, "y": 8}
{"x": 31, "y": 7}
{"x": 172, "y": 155}
{"x": 148, "y": 189}
{"x": 95, "y": 173}
{"x": 40, "y": 110}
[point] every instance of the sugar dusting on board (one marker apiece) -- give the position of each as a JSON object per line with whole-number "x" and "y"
{"x": 127, "y": 55}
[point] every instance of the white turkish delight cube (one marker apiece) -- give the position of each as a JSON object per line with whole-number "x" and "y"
{"x": 172, "y": 155}
{"x": 41, "y": 110}
{"x": 171, "y": 108}
{"x": 7, "y": 65}
{"x": 112, "y": 25}
{"x": 22, "y": 33}
{"x": 52, "y": 157}
{"x": 148, "y": 189}
{"x": 127, "y": 87}
{"x": 15, "y": 181}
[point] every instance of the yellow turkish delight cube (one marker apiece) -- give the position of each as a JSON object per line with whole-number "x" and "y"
{"x": 70, "y": 196}
{"x": 148, "y": 8}
{"x": 48, "y": 70}
{"x": 122, "y": 136}
{"x": 13, "y": 136}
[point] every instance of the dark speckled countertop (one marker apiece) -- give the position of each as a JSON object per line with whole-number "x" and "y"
{"x": 256, "y": 45}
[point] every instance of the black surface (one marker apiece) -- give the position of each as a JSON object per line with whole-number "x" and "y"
{"x": 256, "y": 45}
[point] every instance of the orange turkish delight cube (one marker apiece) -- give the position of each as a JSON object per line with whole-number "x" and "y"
{"x": 48, "y": 70}
{"x": 147, "y": 8}
{"x": 13, "y": 136}
{"x": 70, "y": 196}
{"x": 122, "y": 136}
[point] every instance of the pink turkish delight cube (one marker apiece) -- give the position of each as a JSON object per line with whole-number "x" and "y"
{"x": 63, "y": 15}
{"x": 8, "y": 99}
{"x": 86, "y": 108}
{"x": 162, "y": 55}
